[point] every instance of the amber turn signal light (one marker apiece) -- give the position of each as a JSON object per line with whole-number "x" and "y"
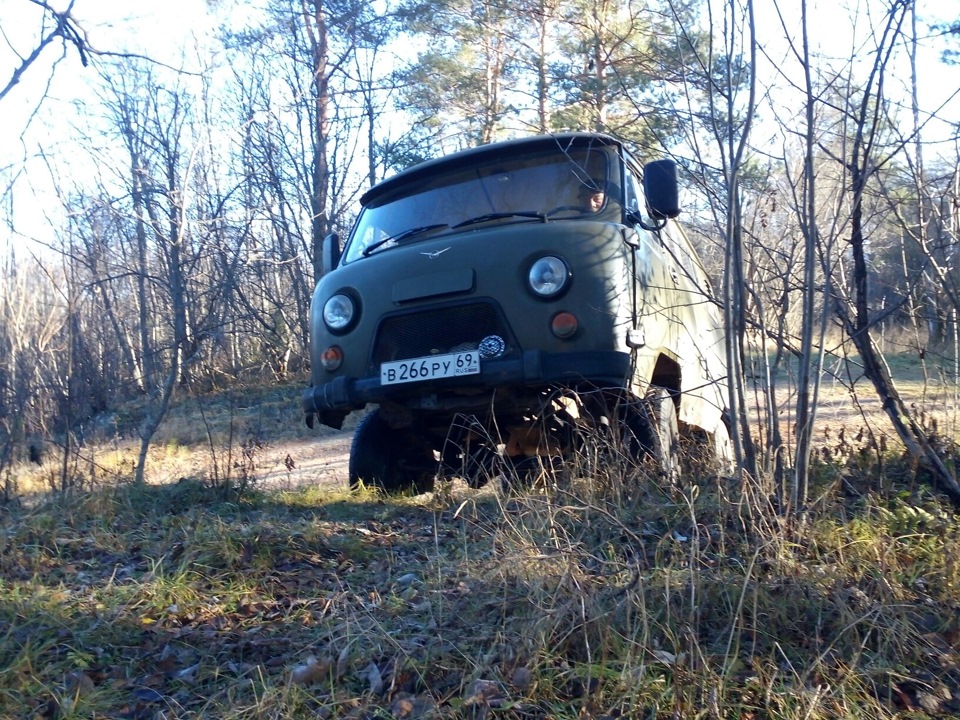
{"x": 332, "y": 358}
{"x": 564, "y": 325}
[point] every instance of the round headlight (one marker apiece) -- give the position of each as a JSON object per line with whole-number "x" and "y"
{"x": 548, "y": 276}
{"x": 338, "y": 312}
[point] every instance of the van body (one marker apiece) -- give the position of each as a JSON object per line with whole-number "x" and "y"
{"x": 487, "y": 300}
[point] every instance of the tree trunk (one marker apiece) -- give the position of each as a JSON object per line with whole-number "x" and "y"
{"x": 861, "y": 158}
{"x": 908, "y": 430}
{"x": 146, "y": 346}
{"x": 810, "y": 366}
{"x": 316, "y": 23}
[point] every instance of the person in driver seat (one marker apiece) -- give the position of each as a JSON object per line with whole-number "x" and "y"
{"x": 592, "y": 197}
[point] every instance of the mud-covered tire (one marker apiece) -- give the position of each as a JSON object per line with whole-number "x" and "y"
{"x": 476, "y": 465}
{"x": 665, "y": 445}
{"x": 651, "y": 433}
{"x": 388, "y": 459}
{"x": 522, "y": 473}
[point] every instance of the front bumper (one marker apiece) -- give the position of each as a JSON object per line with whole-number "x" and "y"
{"x": 330, "y": 402}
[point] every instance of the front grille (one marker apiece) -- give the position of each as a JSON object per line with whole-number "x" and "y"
{"x": 441, "y": 330}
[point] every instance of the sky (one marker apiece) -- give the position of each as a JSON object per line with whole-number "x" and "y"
{"x": 176, "y": 32}
{"x": 168, "y": 31}
{"x": 835, "y": 38}
{"x": 162, "y": 29}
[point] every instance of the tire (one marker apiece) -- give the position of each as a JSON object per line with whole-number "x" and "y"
{"x": 390, "y": 460}
{"x": 652, "y": 434}
{"x": 468, "y": 452}
{"x": 476, "y": 465}
{"x": 722, "y": 447}
{"x": 666, "y": 436}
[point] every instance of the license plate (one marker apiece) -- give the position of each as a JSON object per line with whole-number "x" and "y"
{"x": 432, "y": 367}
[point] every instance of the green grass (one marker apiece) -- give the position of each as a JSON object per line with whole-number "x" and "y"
{"x": 599, "y": 593}
{"x": 619, "y": 596}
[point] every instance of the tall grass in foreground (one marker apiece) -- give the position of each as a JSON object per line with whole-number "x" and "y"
{"x": 599, "y": 591}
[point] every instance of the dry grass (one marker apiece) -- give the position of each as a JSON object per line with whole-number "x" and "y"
{"x": 203, "y": 437}
{"x": 599, "y": 592}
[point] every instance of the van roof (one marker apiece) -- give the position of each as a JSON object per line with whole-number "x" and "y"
{"x": 470, "y": 155}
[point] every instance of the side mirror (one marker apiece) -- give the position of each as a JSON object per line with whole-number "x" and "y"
{"x": 661, "y": 188}
{"x": 331, "y": 252}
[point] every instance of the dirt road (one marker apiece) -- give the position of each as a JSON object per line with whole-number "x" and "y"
{"x": 312, "y": 461}
{"x": 320, "y": 457}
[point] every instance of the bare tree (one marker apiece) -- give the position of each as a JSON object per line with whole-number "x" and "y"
{"x": 862, "y": 162}
{"x": 720, "y": 98}
{"x": 161, "y": 130}
{"x": 55, "y": 29}
{"x": 810, "y": 360}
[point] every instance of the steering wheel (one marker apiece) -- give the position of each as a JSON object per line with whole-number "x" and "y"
{"x": 565, "y": 208}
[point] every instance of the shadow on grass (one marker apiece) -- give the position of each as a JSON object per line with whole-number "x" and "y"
{"x": 613, "y": 594}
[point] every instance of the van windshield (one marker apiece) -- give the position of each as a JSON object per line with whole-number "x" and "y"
{"x": 558, "y": 183}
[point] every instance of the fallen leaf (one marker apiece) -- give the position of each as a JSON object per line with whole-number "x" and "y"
{"x": 148, "y": 695}
{"x": 188, "y": 675}
{"x": 929, "y": 702}
{"x": 402, "y": 706}
{"x": 667, "y": 658}
{"x": 374, "y": 678}
{"x": 484, "y": 692}
{"x": 311, "y": 671}
{"x": 79, "y": 683}
{"x": 413, "y": 707}
{"x": 521, "y": 679}
{"x": 154, "y": 679}
{"x": 167, "y": 661}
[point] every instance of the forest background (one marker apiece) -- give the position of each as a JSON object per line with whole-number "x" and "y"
{"x": 166, "y": 183}
{"x": 167, "y": 188}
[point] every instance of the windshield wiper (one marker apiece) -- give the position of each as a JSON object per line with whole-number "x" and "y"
{"x": 404, "y": 235}
{"x": 500, "y": 216}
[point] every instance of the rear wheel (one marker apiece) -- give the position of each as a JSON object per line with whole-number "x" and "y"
{"x": 651, "y": 433}
{"x": 663, "y": 419}
{"x": 722, "y": 449}
{"x": 388, "y": 459}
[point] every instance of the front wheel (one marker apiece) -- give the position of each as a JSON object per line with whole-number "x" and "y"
{"x": 476, "y": 463}
{"x": 388, "y": 459}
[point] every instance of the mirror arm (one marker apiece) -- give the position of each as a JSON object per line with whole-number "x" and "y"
{"x": 636, "y": 218}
